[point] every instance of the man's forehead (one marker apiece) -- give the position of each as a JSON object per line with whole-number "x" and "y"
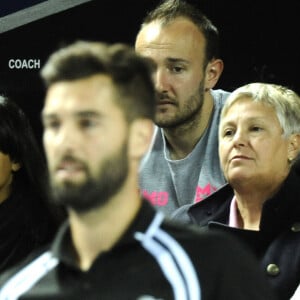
{"x": 178, "y": 26}
{"x": 180, "y": 39}
{"x": 81, "y": 92}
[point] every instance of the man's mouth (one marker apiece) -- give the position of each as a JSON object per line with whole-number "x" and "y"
{"x": 68, "y": 168}
{"x": 165, "y": 102}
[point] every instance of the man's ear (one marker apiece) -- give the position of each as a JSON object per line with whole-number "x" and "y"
{"x": 294, "y": 147}
{"x": 141, "y": 131}
{"x": 213, "y": 72}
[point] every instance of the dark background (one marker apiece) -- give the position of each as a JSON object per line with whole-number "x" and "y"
{"x": 259, "y": 42}
{"x": 10, "y": 6}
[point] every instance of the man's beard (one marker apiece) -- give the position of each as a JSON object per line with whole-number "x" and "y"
{"x": 94, "y": 192}
{"x": 188, "y": 112}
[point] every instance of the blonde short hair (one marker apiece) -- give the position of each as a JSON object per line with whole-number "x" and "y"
{"x": 285, "y": 102}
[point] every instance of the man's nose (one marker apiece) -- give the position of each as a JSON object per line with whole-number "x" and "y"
{"x": 67, "y": 137}
{"x": 161, "y": 80}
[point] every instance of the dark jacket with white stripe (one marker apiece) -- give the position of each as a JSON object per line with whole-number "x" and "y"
{"x": 153, "y": 260}
{"x": 276, "y": 244}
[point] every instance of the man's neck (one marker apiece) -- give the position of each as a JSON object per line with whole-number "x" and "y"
{"x": 182, "y": 140}
{"x": 99, "y": 230}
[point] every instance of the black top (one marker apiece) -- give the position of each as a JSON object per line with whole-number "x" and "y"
{"x": 23, "y": 228}
{"x": 276, "y": 244}
{"x": 154, "y": 258}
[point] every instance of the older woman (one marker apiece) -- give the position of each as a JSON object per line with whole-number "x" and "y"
{"x": 259, "y": 139}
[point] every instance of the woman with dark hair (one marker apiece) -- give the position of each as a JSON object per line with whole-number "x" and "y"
{"x": 26, "y": 221}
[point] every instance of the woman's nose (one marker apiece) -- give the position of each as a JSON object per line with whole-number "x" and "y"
{"x": 239, "y": 138}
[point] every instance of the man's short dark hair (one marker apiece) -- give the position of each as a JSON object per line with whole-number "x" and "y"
{"x": 130, "y": 73}
{"x": 168, "y": 10}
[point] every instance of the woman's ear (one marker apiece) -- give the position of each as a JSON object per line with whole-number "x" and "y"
{"x": 294, "y": 147}
{"x": 214, "y": 70}
{"x": 141, "y": 131}
{"x": 15, "y": 166}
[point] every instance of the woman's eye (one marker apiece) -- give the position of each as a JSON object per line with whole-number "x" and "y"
{"x": 228, "y": 132}
{"x": 256, "y": 128}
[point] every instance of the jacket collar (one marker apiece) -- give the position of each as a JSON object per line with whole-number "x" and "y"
{"x": 282, "y": 210}
{"x": 62, "y": 246}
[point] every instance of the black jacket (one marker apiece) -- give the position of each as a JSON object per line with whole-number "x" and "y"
{"x": 277, "y": 244}
{"x": 25, "y": 225}
{"x": 153, "y": 260}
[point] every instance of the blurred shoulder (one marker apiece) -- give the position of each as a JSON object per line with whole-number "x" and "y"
{"x": 219, "y": 96}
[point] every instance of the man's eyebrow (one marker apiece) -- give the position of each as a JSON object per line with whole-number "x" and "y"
{"x": 88, "y": 114}
{"x": 79, "y": 114}
{"x": 177, "y": 60}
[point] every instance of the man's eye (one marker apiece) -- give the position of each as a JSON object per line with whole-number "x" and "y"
{"x": 86, "y": 123}
{"x": 177, "y": 69}
{"x": 53, "y": 124}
